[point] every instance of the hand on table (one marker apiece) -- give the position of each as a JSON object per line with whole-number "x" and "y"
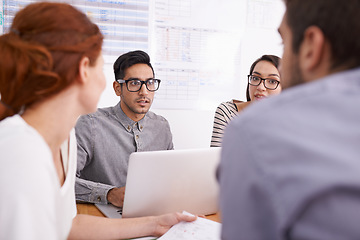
{"x": 166, "y": 221}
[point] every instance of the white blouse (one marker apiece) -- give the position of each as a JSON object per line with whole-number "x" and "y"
{"x": 33, "y": 204}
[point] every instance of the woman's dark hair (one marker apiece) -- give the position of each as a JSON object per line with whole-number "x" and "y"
{"x": 129, "y": 59}
{"x": 40, "y": 56}
{"x": 274, "y": 60}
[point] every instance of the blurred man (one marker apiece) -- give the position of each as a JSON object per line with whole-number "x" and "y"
{"x": 290, "y": 165}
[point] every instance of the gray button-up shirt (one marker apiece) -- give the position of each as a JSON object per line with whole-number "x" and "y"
{"x": 290, "y": 164}
{"x": 105, "y": 139}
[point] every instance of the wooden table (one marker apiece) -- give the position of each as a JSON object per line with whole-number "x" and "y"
{"x": 90, "y": 209}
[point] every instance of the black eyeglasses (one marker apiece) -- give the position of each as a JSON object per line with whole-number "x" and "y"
{"x": 134, "y": 84}
{"x": 269, "y": 83}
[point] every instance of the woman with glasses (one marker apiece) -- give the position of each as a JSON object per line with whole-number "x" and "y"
{"x": 264, "y": 78}
{"x": 263, "y": 81}
{"x": 50, "y": 74}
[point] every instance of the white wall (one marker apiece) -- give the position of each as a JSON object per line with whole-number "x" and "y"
{"x": 190, "y": 129}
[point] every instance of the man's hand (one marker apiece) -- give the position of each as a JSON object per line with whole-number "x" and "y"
{"x": 116, "y": 196}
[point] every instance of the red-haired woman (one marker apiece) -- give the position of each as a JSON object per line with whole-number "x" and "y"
{"x": 50, "y": 74}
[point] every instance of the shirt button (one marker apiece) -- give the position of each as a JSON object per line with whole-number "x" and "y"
{"x": 128, "y": 127}
{"x": 141, "y": 127}
{"x": 137, "y": 136}
{"x": 99, "y": 199}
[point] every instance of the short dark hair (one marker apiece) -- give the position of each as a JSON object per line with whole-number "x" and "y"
{"x": 129, "y": 59}
{"x": 338, "y": 20}
{"x": 274, "y": 60}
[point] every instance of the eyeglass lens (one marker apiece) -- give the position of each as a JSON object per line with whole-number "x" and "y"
{"x": 136, "y": 84}
{"x": 268, "y": 82}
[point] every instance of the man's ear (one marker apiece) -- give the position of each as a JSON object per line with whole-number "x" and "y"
{"x": 84, "y": 70}
{"x": 312, "y": 50}
{"x": 117, "y": 88}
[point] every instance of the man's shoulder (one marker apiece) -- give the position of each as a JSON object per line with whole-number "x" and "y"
{"x": 155, "y": 117}
{"x": 288, "y": 112}
{"x": 289, "y": 100}
{"x": 101, "y": 116}
{"x": 258, "y": 110}
{"x": 100, "y": 113}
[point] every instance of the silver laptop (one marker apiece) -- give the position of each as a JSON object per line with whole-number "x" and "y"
{"x": 160, "y": 182}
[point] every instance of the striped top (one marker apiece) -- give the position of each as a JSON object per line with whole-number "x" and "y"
{"x": 224, "y": 113}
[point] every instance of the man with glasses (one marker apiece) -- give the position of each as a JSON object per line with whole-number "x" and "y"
{"x": 107, "y": 137}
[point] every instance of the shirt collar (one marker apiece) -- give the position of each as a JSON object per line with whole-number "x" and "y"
{"x": 127, "y": 122}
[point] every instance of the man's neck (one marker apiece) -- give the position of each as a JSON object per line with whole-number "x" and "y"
{"x": 130, "y": 114}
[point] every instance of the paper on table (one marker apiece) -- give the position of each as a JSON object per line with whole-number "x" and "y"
{"x": 200, "y": 229}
